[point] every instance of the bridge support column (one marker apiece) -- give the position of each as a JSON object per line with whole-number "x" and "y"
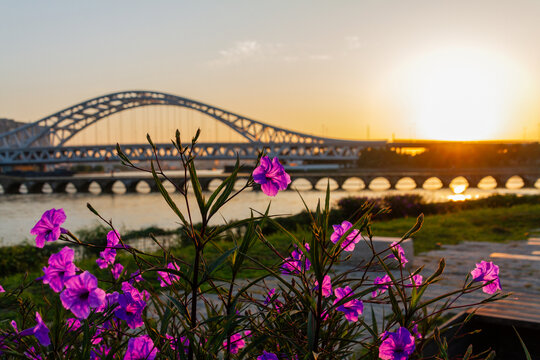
{"x": 501, "y": 180}
{"x": 529, "y": 181}
{"x": 12, "y": 187}
{"x": 419, "y": 181}
{"x": 445, "y": 180}
{"x": 106, "y": 186}
{"x": 34, "y": 187}
{"x": 131, "y": 186}
{"x": 393, "y": 180}
{"x": 473, "y": 180}
{"x": 367, "y": 181}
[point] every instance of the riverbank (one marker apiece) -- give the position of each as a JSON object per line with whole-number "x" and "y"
{"x": 486, "y": 225}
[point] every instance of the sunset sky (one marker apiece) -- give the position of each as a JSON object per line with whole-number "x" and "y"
{"x": 467, "y": 70}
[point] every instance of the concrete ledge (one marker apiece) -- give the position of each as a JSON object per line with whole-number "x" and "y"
{"x": 362, "y": 252}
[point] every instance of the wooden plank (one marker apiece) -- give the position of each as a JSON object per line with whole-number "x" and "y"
{"x": 521, "y": 308}
{"x": 515, "y": 256}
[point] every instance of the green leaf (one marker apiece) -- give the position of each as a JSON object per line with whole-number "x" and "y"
{"x": 416, "y": 227}
{"x": 215, "y": 265}
{"x": 167, "y": 197}
{"x": 468, "y": 353}
{"x": 523, "y": 346}
{"x": 228, "y": 185}
{"x": 197, "y": 190}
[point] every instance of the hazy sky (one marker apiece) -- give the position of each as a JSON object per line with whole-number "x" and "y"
{"x": 426, "y": 69}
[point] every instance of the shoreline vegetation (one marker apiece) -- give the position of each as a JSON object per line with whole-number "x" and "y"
{"x": 497, "y": 218}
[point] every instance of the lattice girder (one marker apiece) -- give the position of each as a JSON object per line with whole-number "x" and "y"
{"x": 58, "y": 128}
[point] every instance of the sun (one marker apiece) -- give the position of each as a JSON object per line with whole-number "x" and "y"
{"x": 459, "y": 93}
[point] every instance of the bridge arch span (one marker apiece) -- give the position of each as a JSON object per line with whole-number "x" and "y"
{"x": 56, "y": 129}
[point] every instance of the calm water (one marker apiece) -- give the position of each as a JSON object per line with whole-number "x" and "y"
{"x": 18, "y": 213}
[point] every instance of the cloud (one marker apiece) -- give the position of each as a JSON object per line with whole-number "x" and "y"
{"x": 320, "y": 57}
{"x": 353, "y": 42}
{"x": 245, "y": 50}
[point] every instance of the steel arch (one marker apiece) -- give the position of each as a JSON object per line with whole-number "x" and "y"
{"x": 59, "y": 127}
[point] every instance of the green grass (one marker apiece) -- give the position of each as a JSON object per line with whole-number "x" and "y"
{"x": 489, "y": 224}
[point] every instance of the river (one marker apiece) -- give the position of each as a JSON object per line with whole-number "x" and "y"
{"x": 19, "y": 213}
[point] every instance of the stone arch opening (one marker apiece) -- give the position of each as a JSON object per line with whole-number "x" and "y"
{"x": 301, "y": 184}
{"x": 432, "y": 183}
{"x": 514, "y": 182}
{"x": 458, "y": 185}
{"x": 487, "y": 183}
{"x": 46, "y": 188}
{"x": 143, "y": 187}
{"x": 406, "y": 183}
{"x": 322, "y": 183}
{"x": 353, "y": 184}
{"x": 214, "y": 184}
{"x": 95, "y": 188}
{"x": 379, "y": 184}
{"x": 70, "y": 188}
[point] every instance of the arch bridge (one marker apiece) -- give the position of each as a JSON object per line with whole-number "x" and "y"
{"x": 45, "y": 141}
{"x": 107, "y": 183}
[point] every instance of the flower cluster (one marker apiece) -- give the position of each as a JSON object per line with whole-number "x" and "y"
{"x": 297, "y": 262}
{"x": 122, "y": 316}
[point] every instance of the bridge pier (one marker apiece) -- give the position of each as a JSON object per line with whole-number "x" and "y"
{"x": 528, "y": 181}
{"x": 419, "y": 181}
{"x": 131, "y": 186}
{"x": 34, "y": 187}
{"x": 501, "y": 180}
{"x": 473, "y": 180}
{"x": 12, "y": 187}
{"x": 106, "y": 186}
{"x": 393, "y": 180}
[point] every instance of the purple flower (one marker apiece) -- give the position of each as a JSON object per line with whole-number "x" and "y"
{"x": 395, "y": 247}
{"x": 352, "y": 308}
{"x": 82, "y": 294}
{"x": 140, "y": 348}
{"x": 40, "y": 331}
{"x": 32, "y": 354}
{"x": 131, "y": 306}
{"x": 167, "y": 278}
{"x": 416, "y": 281}
{"x": 237, "y": 342}
{"x": 73, "y": 324}
{"x": 136, "y": 277}
{"x": 271, "y": 175}
{"x": 183, "y": 341}
{"x": 48, "y": 227}
{"x": 416, "y": 332}
{"x": 326, "y": 286}
{"x": 60, "y": 269}
{"x": 107, "y": 256}
{"x": 270, "y": 295}
{"x": 100, "y": 353}
{"x": 396, "y": 346}
{"x": 2, "y": 289}
{"x": 113, "y": 238}
{"x": 267, "y": 356}
{"x": 296, "y": 263}
{"x": 382, "y": 289}
{"x": 488, "y": 274}
{"x": 352, "y": 239}
{"x": 110, "y": 300}
{"x": 117, "y": 270}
